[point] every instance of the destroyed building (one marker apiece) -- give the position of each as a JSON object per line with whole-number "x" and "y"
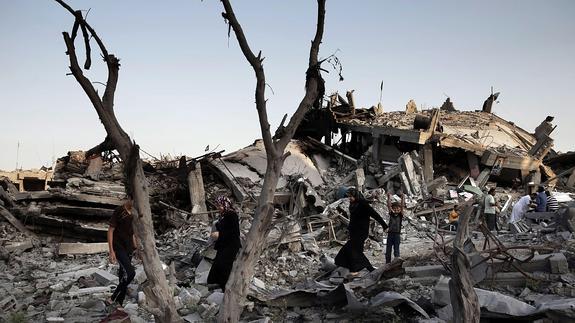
{"x": 465, "y": 140}
{"x": 53, "y": 254}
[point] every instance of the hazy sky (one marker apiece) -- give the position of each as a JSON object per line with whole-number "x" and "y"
{"x": 184, "y": 85}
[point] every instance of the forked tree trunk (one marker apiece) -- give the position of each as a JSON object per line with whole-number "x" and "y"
{"x": 164, "y": 309}
{"x": 243, "y": 269}
{"x": 463, "y": 297}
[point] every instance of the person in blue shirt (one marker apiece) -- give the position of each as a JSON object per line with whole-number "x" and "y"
{"x": 541, "y": 200}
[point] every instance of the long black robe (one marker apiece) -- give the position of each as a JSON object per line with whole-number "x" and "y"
{"x": 227, "y": 246}
{"x": 351, "y": 254}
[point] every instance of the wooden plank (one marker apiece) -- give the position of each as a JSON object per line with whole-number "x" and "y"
{"x": 82, "y": 248}
{"x": 79, "y": 197}
{"x": 427, "y": 162}
{"x": 16, "y": 223}
{"x": 78, "y": 211}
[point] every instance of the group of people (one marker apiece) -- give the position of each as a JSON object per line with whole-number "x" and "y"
{"x": 123, "y": 245}
{"x": 540, "y": 201}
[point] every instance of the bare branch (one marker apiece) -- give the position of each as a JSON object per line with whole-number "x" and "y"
{"x": 314, "y": 85}
{"x": 83, "y": 22}
{"x": 258, "y": 68}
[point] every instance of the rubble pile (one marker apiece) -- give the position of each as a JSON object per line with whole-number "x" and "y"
{"x": 53, "y": 250}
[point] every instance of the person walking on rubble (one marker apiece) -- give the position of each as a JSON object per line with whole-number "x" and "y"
{"x": 351, "y": 255}
{"x": 122, "y": 243}
{"x": 394, "y": 231}
{"x": 227, "y": 237}
{"x": 489, "y": 210}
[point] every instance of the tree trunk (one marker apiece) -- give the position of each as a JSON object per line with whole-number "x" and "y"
{"x": 136, "y": 184}
{"x": 244, "y": 266}
{"x": 463, "y": 297}
{"x": 243, "y": 269}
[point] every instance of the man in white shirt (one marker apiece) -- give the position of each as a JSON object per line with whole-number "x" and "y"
{"x": 521, "y": 207}
{"x": 489, "y": 210}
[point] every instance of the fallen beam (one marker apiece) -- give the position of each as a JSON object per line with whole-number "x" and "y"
{"x": 16, "y": 223}
{"x": 82, "y": 248}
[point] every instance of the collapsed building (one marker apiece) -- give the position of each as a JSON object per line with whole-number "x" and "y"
{"x": 53, "y": 261}
{"x": 464, "y": 140}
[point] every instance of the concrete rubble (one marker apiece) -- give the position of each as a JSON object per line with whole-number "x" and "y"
{"x": 53, "y": 255}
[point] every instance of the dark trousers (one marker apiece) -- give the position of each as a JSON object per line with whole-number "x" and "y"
{"x": 491, "y": 221}
{"x": 126, "y": 274}
{"x": 392, "y": 242}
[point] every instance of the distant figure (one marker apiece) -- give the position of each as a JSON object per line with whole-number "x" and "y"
{"x": 121, "y": 244}
{"x": 521, "y": 207}
{"x": 227, "y": 237}
{"x": 489, "y": 210}
{"x": 552, "y": 204}
{"x": 541, "y": 200}
{"x": 394, "y": 231}
{"x": 454, "y": 217}
{"x": 351, "y": 255}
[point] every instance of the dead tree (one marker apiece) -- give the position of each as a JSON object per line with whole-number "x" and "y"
{"x": 161, "y": 301}
{"x": 243, "y": 268}
{"x": 463, "y": 297}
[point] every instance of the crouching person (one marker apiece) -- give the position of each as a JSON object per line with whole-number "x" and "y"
{"x": 227, "y": 237}
{"x": 121, "y": 244}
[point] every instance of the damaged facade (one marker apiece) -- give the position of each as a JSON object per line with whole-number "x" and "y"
{"x": 54, "y": 257}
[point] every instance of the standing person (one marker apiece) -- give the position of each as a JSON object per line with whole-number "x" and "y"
{"x": 394, "y": 231}
{"x": 521, "y": 207}
{"x": 454, "y": 217}
{"x": 121, "y": 244}
{"x": 227, "y": 237}
{"x": 541, "y": 200}
{"x": 351, "y": 255}
{"x": 552, "y": 204}
{"x": 489, "y": 210}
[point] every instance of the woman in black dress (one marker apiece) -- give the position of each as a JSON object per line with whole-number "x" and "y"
{"x": 351, "y": 254}
{"x": 227, "y": 236}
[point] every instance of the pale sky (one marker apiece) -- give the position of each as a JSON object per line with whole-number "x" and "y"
{"x": 183, "y": 85}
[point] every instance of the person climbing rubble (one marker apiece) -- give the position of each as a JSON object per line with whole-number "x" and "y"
{"x": 227, "y": 242}
{"x": 394, "y": 231}
{"x": 351, "y": 255}
{"x": 122, "y": 243}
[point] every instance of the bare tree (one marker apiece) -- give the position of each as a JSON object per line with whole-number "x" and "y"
{"x": 243, "y": 268}
{"x": 463, "y": 297}
{"x": 161, "y": 302}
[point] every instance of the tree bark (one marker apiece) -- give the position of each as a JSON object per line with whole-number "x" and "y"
{"x": 463, "y": 297}
{"x": 243, "y": 269}
{"x": 136, "y": 184}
